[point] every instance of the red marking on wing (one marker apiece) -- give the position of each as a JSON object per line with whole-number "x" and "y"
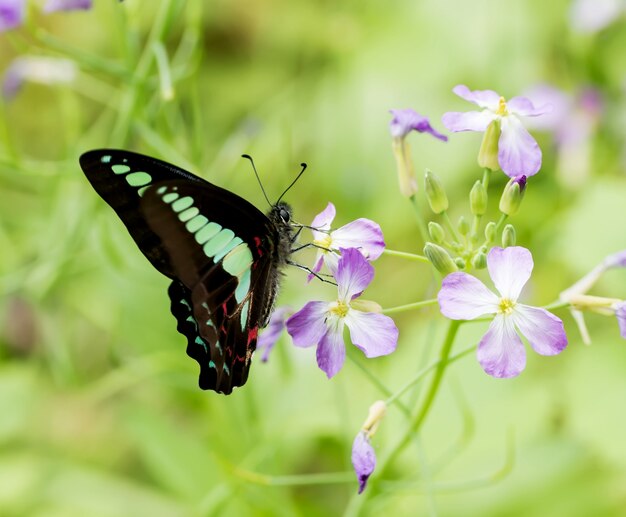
{"x": 257, "y": 243}
{"x": 252, "y": 334}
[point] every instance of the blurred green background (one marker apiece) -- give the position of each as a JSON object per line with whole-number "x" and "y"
{"x": 100, "y": 413}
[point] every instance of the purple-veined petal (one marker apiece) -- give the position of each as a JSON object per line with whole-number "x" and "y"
{"x": 467, "y": 121}
{"x": 331, "y": 351}
{"x": 268, "y": 337}
{"x": 374, "y": 334}
{"x": 543, "y": 330}
{"x": 616, "y": 259}
{"x": 500, "y": 351}
{"x": 524, "y": 107}
{"x": 483, "y": 98}
{"x": 306, "y": 327}
{"x": 66, "y": 5}
{"x": 464, "y": 297}
{"x": 363, "y": 459}
{"x": 407, "y": 120}
{"x": 620, "y": 312}
{"x": 354, "y": 274}
{"x": 510, "y": 269}
{"x": 362, "y": 234}
{"x": 11, "y": 14}
{"x": 319, "y": 262}
{"x": 593, "y": 15}
{"x": 518, "y": 152}
{"x": 323, "y": 221}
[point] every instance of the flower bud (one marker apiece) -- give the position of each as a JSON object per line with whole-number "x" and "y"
{"x": 479, "y": 261}
{"x": 435, "y": 193}
{"x": 512, "y": 195}
{"x": 460, "y": 263}
{"x": 376, "y": 413}
{"x": 490, "y": 232}
{"x": 488, "y": 153}
{"x": 508, "y": 236}
{"x": 436, "y": 232}
{"x": 440, "y": 258}
{"x": 478, "y": 199}
{"x": 463, "y": 226}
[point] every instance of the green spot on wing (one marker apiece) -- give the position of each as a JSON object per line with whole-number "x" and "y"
{"x": 212, "y": 365}
{"x": 161, "y": 190}
{"x": 216, "y": 243}
{"x": 120, "y": 169}
{"x": 200, "y": 341}
{"x": 172, "y": 196}
{"x": 106, "y": 159}
{"x": 232, "y": 244}
{"x": 238, "y": 260}
{"x": 207, "y": 232}
{"x": 243, "y": 286}
{"x": 190, "y": 213}
{"x": 196, "y": 223}
{"x": 181, "y": 204}
{"x": 244, "y": 314}
{"x": 142, "y": 190}
{"x": 138, "y": 179}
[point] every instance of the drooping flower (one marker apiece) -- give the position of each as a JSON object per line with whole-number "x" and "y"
{"x": 518, "y": 152}
{"x": 269, "y": 336}
{"x": 594, "y": 15}
{"x": 42, "y": 70}
{"x": 11, "y": 14}
{"x": 363, "y": 455}
{"x": 362, "y": 234}
{"x": 402, "y": 123}
{"x": 322, "y": 323}
{"x": 67, "y": 5}
{"x": 363, "y": 458}
{"x": 620, "y": 313}
{"x": 500, "y": 351}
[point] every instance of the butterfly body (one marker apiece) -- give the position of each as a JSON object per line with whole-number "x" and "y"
{"x": 222, "y": 254}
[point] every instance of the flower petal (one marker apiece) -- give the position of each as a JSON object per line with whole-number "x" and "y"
{"x": 43, "y": 70}
{"x": 318, "y": 265}
{"x": 306, "y": 327}
{"x": 518, "y": 152}
{"x": 331, "y": 351}
{"x": 620, "y": 312}
{"x": 524, "y": 106}
{"x": 267, "y": 339}
{"x": 353, "y": 275}
{"x": 593, "y": 15}
{"x": 66, "y": 5}
{"x": 483, "y": 98}
{"x": 500, "y": 351}
{"x": 469, "y": 121}
{"x": 407, "y": 120}
{"x": 362, "y": 234}
{"x": 11, "y": 14}
{"x": 374, "y": 334}
{"x": 510, "y": 269}
{"x": 323, "y": 221}
{"x": 464, "y": 297}
{"x": 363, "y": 459}
{"x": 544, "y": 330}
{"x": 616, "y": 259}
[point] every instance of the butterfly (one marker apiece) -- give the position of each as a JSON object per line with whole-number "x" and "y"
{"x": 222, "y": 254}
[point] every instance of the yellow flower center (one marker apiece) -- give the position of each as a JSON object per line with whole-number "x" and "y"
{"x": 339, "y": 309}
{"x": 324, "y": 243}
{"x": 502, "y": 110}
{"x": 506, "y": 306}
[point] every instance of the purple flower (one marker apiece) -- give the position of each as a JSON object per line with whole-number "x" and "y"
{"x": 518, "y": 152}
{"x": 593, "y": 15}
{"x": 620, "y": 312}
{"x": 362, "y": 234}
{"x": 363, "y": 458}
{"x": 405, "y": 121}
{"x": 616, "y": 260}
{"x": 500, "y": 351}
{"x": 11, "y": 14}
{"x": 66, "y": 5}
{"x": 322, "y": 323}
{"x": 43, "y": 70}
{"x": 269, "y": 336}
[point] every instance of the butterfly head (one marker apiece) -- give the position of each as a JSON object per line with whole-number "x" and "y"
{"x": 280, "y": 215}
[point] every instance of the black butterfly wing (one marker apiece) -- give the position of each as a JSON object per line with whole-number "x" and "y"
{"x": 120, "y": 178}
{"x": 223, "y": 252}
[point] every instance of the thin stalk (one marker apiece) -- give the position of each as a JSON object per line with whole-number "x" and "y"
{"x": 410, "y": 306}
{"x": 405, "y": 255}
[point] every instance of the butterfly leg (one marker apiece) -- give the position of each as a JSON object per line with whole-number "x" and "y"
{"x": 310, "y": 271}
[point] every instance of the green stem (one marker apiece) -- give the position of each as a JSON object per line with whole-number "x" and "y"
{"x": 558, "y": 304}
{"x": 405, "y": 255}
{"x": 501, "y": 222}
{"x": 421, "y": 225}
{"x": 448, "y": 224}
{"x": 486, "y": 175}
{"x": 410, "y": 306}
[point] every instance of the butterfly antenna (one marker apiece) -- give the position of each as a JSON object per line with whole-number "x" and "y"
{"x": 248, "y": 157}
{"x": 303, "y": 165}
